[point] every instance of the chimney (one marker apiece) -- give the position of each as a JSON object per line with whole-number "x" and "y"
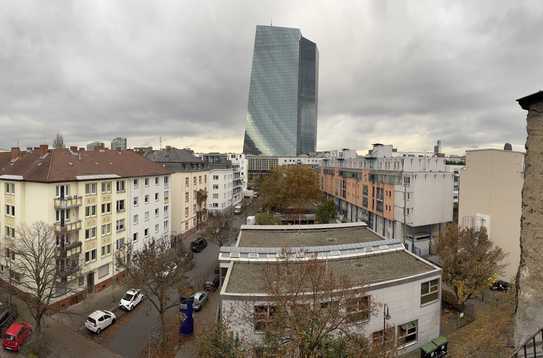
{"x": 15, "y": 152}
{"x": 44, "y": 149}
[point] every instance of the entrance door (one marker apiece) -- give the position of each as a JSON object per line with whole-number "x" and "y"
{"x": 90, "y": 282}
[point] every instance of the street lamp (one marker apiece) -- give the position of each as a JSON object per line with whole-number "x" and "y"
{"x": 386, "y": 317}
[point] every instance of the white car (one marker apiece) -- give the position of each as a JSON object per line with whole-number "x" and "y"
{"x": 100, "y": 320}
{"x": 199, "y": 299}
{"x": 131, "y": 299}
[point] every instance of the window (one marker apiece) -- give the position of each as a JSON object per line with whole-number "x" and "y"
{"x": 120, "y": 186}
{"x": 205, "y": 179}
{"x": 146, "y": 216}
{"x": 165, "y": 210}
{"x": 120, "y": 225}
{"x": 90, "y": 210}
{"x": 166, "y": 196}
{"x": 215, "y": 196}
{"x": 165, "y": 225}
{"x": 90, "y": 189}
{"x": 106, "y": 250}
{"x": 135, "y": 219}
{"x": 106, "y": 229}
{"x": 119, "y": 244}
{"x": 215, "y": 186}
{"x": 429, "y": 291}
{"x": 10, "y": 188}
{"x": 63, "y": 215}
{"x": 120, "y": 206}
{"x": 10, "y": 232}
{"x": 186, "y": 212}
{"x": 106, "y": 187}
{"x": 146, "y": 181}
{"x": 186, "y": 226}
{"x": 146, "y": 199}
{"x": 157, "y": 212}
{"x": 358, "y": 309}
{"x": 156, "y": 196}
{"x": 407, "y": 333}
{"x": 157, "y": 228}
{"x": 186, "y": 181}
{"x": 156, "y": 180}
{"x": 63, "y": 190}
{"x": 194, "y": 180}
{"x": 377, "y": 337}
{"x": 90, "y": 233}
{"x": 215, "y": 177}
{"x": 135, "y": 237}
{"x": 263, "y": 316}
{"x": 135, "y": 183}
{"x": 10, "y": 210}
{"x": 200, "y": 179}
{"x": 166, "y": 181}
{"x": 146, "y": 232}
{"x": 106, "y": 208}
{"x": 187, "y": 196}
{"x": 135, "y": 201}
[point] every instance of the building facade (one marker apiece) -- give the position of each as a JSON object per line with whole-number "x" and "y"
{"x": 404, "y": 196}
{"x": 188, "y": 194}
{"x": 389, "y": 276}
{"x": 240, "y": 161}
{"x": 220, "y": 190}
{"x": 262, "y": 165}
{"x": 87, "y": 197}
{"x": 119, "y": 143}
{"x": 283, "y": 94}
{"x": 491, "y": 196}
{"x": 96, "y": 146}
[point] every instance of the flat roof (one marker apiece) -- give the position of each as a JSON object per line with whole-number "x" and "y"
{"x": 305, "y": 235}
{"x": 249, "y": 277}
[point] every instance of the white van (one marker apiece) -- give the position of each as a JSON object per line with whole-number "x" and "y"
{"x": 237, "y": 209}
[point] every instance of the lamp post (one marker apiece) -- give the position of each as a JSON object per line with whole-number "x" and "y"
{"x": 386, "y": 317}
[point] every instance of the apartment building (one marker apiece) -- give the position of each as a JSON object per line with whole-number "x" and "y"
{"x": 391, "y": 191}
{"x": 261, "y": 165}
{"x": 491, "y": 196}
{"x": 119, "y": 143}
{"x": 95, "y": 201}
{"x": 240, "y": 163}
{"x": 391, "y": 277}
{"x": 220, "y": 189}
{"x": 188, "y": 194}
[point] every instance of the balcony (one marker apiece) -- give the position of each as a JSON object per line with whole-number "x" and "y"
{"x": 68, "y": 226}
{"x": 68, "y": 202}
{"x": 70, "y": 249}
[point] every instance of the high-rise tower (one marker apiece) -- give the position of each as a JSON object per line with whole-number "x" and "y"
{"x": 283, "y": 94}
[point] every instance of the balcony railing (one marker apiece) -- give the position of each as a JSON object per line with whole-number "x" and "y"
{"x": 532, "y": 348}
{"x": 68, "y": 226}
{"x": 70, "y": 249}
{"x": 68, "y": 202}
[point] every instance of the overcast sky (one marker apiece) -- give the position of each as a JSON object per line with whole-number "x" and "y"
{"x": 398, "y": 72}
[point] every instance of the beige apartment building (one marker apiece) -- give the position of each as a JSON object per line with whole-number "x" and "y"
{"x": 189, "y": 187}
{"x": 88, "y": 197}
{"x": 490, "y": 196}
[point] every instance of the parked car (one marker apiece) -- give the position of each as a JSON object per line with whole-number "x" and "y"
{"x": 237, "y": 209}
{"x": 16, "y": 335}
{"x": 213, "y": 284}
{"x": 172, "y": 266}
{"x": 200, "y": 298}
{"x": 198, "y": 245}
{"x": 500, "y": 285}
{"x": 100, "y": 320}
{"x": 8, "y": 314}
{"x": 131, "y": 299}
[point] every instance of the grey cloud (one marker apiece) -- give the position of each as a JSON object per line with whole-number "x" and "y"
{"x": 424, "y": 70}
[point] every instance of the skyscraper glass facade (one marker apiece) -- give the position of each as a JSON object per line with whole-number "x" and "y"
{"x": 283, "y": 94}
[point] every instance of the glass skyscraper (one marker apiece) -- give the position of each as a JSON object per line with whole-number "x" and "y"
{"x": 283, "y": 94}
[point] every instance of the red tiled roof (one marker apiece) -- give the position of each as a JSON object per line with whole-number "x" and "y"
{"x": 59, "y": 165}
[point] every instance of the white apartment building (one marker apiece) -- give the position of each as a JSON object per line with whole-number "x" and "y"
{"x": 87, "y": 196}
{"x": 392, "y": 277}
{"x": 220, "y": 190}
{"x": 240, "y": 160}
{"x": 391, "y": 190}
{"x": 188, "y": 189}
{"x": 491, "y": 196}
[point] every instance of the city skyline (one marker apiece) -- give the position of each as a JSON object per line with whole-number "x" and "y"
{"x": 388, "y": 74}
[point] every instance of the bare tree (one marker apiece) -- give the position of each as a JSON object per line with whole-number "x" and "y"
{"x": 160, "y": 272}
{"x": 217, "y": 228}
{"x": 313, "y": 311}
{"x": 58, "y": 142}
{"x": 35, "y": 256}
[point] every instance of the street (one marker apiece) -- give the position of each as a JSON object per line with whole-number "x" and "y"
{"x": 131, "y": 333}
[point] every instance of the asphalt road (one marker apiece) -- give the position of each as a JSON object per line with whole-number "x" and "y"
{"x": 132, "y": 331}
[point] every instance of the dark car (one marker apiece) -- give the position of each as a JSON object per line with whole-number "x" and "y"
{"x": 198, "y": 245}
{"x": 213, "y": 284}
{"x": 8, "y": 314}
{"x": 500, "y": 286}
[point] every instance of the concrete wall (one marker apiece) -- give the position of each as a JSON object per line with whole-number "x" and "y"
{"x": 491, "y": 185}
